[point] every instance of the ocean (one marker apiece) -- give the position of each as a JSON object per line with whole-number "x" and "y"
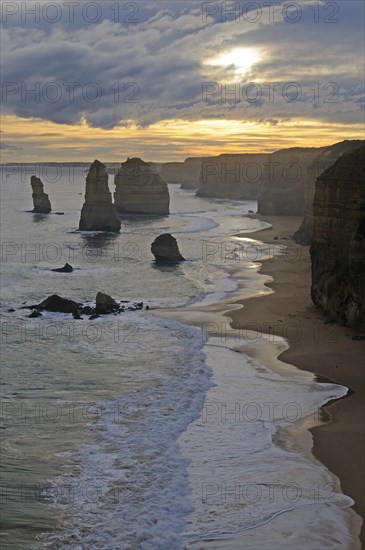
{"x": 141, "y": 431}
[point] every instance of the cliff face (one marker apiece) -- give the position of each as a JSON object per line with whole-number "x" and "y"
{"x": 98, "y": 212}
{"x": 41, "y": 202}
{"x": 231, "y": 176}
{"x": 185, "y": 173}
{"x": 139, "y": 190}
{"x": 282, "y": 188}
{"x": 338, "y": 242}
{"x": 171, "y": 172}
{"x": 324, "y": 160}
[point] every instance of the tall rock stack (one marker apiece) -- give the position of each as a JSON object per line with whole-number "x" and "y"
{"x": 139, "y": 190}
{"x": 282, "y": 188}
{"x": 324, "y": 160}
{"x": 41, "y": 202}
{"x": 338, "y": 242}
{"x": 98, "y": 212}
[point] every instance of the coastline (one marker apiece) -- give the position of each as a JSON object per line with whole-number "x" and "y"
{"x": 322, "y": 349}
{"x": 325, "y": 349}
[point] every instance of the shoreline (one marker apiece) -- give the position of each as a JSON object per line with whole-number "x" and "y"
{"x": 325, "y": 349}
{"x": 335, "y": 440}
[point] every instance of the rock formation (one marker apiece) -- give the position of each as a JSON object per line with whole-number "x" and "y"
{"x": 165, "y": 249}
{"x": 338, "y": 242}
{"x": 139, "y": 190}
{"x": 57, "y": 304}
{"x": 282, "y": 187}
{"x": 231, "y": 176}
{"x": 41, "y": 202}
{"x": 98, "y": 212}
{"x": 67, "y": 268}
{"x": 105, "y": 304}
{"x": 324, "y": 160}
{"x": 171, "y": 172}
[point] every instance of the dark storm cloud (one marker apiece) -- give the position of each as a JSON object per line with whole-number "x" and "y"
{"x": 111, "y": 73}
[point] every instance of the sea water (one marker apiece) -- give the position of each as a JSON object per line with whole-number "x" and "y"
{"x": 124, "y": 432}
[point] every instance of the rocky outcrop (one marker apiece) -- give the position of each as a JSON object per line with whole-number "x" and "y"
{"x": 41, "y": 202}
{"x": 105, "y": 304}
{"x": 338, "y": 242}
{"x": 139, "y": 190}
{"x": 324, "y": 160}
{"x": 190, "y": 175}
{"x": 57, "y": 304}
{"x": 231, "y": 176}
{"x": 165, "y": 249}
{"x": 67, "y": 268}
{"x": 98, "y": 212}
{"x": 171, "y": 172}
{"x": 282, "y": 188}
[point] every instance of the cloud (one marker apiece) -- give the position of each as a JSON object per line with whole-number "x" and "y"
{"x": 114, "y": 73}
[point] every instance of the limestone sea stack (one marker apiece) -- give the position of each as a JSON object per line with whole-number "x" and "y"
{"x": 98, "y": 212}
{"x": 324, "y": 160}
{"x": 139, "y": 190}
{"x": 338, "y": 242}
{"x": 41, "y": 202}
{"x": 165, "y": 249}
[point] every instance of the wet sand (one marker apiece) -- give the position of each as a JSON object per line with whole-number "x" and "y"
{"x": 326, "y": 349}
{"x": 284, "y": 310}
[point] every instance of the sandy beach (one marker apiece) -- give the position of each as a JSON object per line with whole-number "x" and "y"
{"x": 326, "y": 349}
{"x": 303, "y": 338}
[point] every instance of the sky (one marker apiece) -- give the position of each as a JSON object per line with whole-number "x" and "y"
{"x": 164, "y": 80}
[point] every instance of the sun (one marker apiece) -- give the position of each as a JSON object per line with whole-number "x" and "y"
{"x": 241, "y": 59}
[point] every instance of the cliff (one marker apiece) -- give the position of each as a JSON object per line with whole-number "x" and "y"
{"x": 338, "y": 242}
{"x": 324, "y": 160}
{"x": 41, "y": 202}
{"x": 282, "y": 187}
{"x": 98, "y": 212}
{"x": 185, "y": 173}
{"x": 139, "y": 190}
{"x": 231, "y": 176}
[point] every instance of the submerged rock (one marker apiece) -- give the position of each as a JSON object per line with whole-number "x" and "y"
{"x": 338, "y": 241}
{"x": 165, "y": 249}
{"x": 98, "y": 212}
{"x": 67, "y": 268}
{"x": 35, "y": 314}
{"x": 105, "y": 304}
{"x": 41, "y": 202}
{"x": 57, "y": 304}
{"x": 139, "y": 190}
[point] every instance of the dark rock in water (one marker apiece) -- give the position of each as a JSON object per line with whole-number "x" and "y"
{"x": 94, "y": 316}
{"x": 147, "y": 307}
{"x": 60, "y": 213}
{"x": 139, "y": 190}
{"x": 67, "y": 268}
{"x": 57, "y": 304}
{"x": 98, "y": 212}
{"x": 338, "y": 241}
{"x": 105, "y": 304}
{"x": 165, "y": 249}
{"x": 77, "y": 314}
{"x": 251, "y": 212}
{"x": 41, "y": 202}
{"x": 11, "y": 310}
{"x": 35, "y": 314}
{"x": 87, "y": 310}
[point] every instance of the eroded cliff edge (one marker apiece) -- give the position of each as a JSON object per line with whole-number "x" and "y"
{"x": 338, "y": 241}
